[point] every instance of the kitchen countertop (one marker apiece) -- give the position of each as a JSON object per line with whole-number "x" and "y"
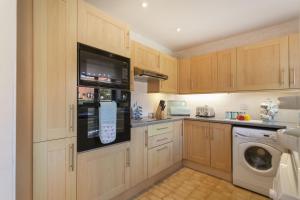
{"x": 251, "y": 123}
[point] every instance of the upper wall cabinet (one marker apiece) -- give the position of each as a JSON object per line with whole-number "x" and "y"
{"x": 203, "y": 73}
{"x": 263, "y": 65}
{"x": 101, "y": 31}
{"x": 55, "y": 69}
{"x": 294, "y": 60}
{"x": 226, "y": 70}
{"x": 169, "y": 67}
{"x": 184, "y": 75}
{"x": 144, "y": 57}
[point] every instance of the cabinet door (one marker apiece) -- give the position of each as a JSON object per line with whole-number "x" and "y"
{"x": 263, "y": 66}
{"x": 198, "y": 144}
{"x": 177, "y": 142}
{"x": 203, "y": 73}
{"x": 54, "y": 170}
{"x": 220, "y": 146}
{"x": 144, "y": 57}
{"x": 169, "y": 66}
{"x": 138, "y": 155}
{"x": 160, "y": 158}
{"x": 184, "y": 75}
{"x": 226, "y": 73}
{"x": 294, "y": 60}
{"x": 101, "y": 31}
{"x": 55, "y": 69}
{"x": 103, "y": 173}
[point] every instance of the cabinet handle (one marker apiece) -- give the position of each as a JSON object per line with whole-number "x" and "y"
{"x": 160, "y": 149}
{"x": 71, "y": 111}
{"x": 127, "y": 40}
{"x": 71, "y": 157}
{"x": 128, "y": 157}
{"x": 146, "y": 138}
{"x": 159, "y": 140}
{"x": 162, "y": 128}
{"x": 292, "y": 76}
{"x": 282, "y": 77}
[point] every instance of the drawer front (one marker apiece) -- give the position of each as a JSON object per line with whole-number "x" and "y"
{"x": 160, "y": 158}
{"x": 157, "y": 140}
{"x": 158, "y": 129}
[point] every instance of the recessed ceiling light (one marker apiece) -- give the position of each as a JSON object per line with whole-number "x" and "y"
{"x": 144, "y": 4}
{"x": 178, "y": 30}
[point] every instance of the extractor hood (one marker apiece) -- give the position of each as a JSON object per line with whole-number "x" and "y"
{"x": 144, "y": 75}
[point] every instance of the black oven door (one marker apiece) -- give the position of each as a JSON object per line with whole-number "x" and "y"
{"x": 103, "y": 117}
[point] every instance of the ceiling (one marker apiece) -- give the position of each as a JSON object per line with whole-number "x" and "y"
{"x": 200, "y": 21}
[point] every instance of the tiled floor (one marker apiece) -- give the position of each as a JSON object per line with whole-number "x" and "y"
{"x": 188, "y": 184}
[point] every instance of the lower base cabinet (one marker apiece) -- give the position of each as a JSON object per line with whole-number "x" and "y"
{"x": 160, "y": 158}
{"x": 54, "y": 170}
{"x": 177, "y": 142}
{"x": 208, "y": 146}
{"x": 138, "y": 155}
{"x": 103, "y": 173}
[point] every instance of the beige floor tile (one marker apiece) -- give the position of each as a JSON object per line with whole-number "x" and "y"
{"x": 187, "y": 184}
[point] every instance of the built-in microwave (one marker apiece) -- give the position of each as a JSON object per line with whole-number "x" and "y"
{"x": 101, "y": 68}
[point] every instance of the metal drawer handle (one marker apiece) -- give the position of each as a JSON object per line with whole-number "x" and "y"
{"x": 165, "y": 147}
{"x": 292, "y": 76}
{"x": 163, "y": 139}
{"x": 128, "y": 157}
{"x": 71, "y": 157}
{"x": 162, "y": 128}
{"x": 71, "y": 111}
{"x": 146, "y": 138}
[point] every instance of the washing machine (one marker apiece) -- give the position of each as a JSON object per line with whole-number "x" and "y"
{"x": 256, "y": 157}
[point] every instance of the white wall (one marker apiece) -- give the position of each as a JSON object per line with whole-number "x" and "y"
{"x": 7, "y": 98}
{"x": 248, "y": 102}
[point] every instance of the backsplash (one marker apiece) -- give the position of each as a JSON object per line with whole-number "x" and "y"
{"x": 245, "y": 101}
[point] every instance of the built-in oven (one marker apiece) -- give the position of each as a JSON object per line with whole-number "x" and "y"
{"x": 103, "y": 98}
{"x": 97, "y": 67}
{"x": 103, "y": 117}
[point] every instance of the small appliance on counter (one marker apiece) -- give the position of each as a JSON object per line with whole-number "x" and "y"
{"x": 205, "y": 111}
{"x": 178, "y": 108}
{"x": 160, "y": 111}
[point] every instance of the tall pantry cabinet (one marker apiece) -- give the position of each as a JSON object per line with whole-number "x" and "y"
{"x": 54, "y": 94}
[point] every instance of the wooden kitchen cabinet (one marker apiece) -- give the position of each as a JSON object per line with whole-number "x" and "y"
{"x": 226, "y": 70}
{"x": 55, "y": 69}
{"x": 144, "y": 57}
{"x": 54, "y": 170}
{"x": 160, "y": 158}
{"x": 103, "y": 173}
{"x": 99, "y": 30}
{"x": 184, "y": 76}
{"x": 138, "y": 155}
{"x": 294, "y": 60}
{"x": 263, "y": 65}
{"x": 198, "y": 142}
{"x": 169, "y": 67}
{"x": 207, "y": 148}
{"x": 177, "y": 142}
{"x": 203, "y": 73}
{"x": 220, "y": 146}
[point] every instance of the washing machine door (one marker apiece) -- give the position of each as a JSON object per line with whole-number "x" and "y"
{"x": 259, "y": 158}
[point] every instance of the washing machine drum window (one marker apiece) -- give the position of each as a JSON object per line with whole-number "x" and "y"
{"x": 258, "y": 158}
